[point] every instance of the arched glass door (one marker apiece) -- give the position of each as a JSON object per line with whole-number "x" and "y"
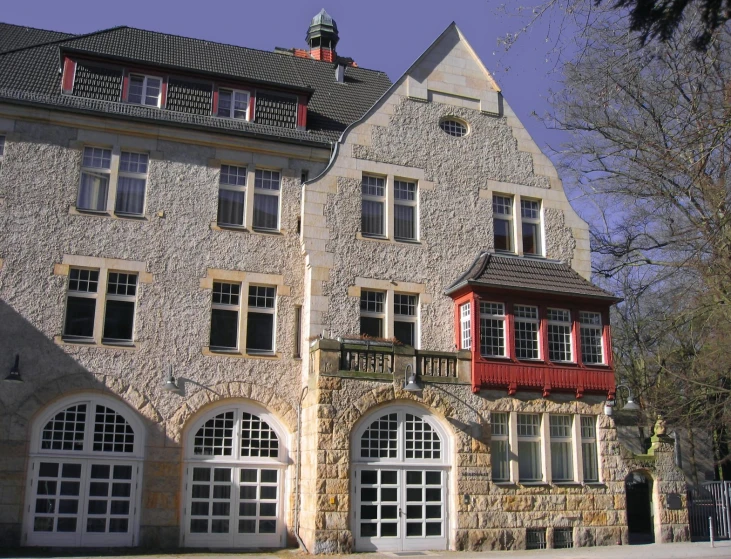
{"x": 85, "y": 469}
{"x": 236, "y": 459}
{"x": 400, "y": 481}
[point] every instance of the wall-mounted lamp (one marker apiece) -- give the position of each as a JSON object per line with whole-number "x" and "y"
{"x": 410, "y": 384}
{"x": 170, "y": 384}
{"x": 14, "y": 375}
{"x": 631, "y": 405}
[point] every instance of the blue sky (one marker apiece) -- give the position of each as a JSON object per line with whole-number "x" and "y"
{"x": 379, "y": 34}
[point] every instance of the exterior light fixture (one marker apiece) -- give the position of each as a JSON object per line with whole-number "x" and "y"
{"x": 410, "y": 384}
{"x": 14, "y": 375}
{"x": 171, "y": 384}
{"x": 631, "y": 405}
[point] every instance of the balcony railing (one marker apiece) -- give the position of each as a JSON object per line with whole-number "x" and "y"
{"x": 366, "y": 358}
{"x": 436, "y": 364}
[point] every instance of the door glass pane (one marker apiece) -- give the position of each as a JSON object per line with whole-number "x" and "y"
{"x": 51, "y": 513}
{"x": 210, "y": 500}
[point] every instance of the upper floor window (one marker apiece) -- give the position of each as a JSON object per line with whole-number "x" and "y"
{"x": 529, "y": 447}
{"x": 499, "y": 447}
{"x": 588, "y": 448}
{"x": 526, "y": 331}
{"x": 118, "y": 297}
{"x": 373, "y": 190}
{"x": 492, "y": 329}
{"x": 266, "y": 200}
{"x": 225, "y": 307}
{"x": 232, "y": 195}
{"x": 405, "y": 320}
{"x": 465, "y": 325}
{"x": 502, "y": 218}
{"x": 233, "y": 103}
{"x": 96, "y": 189}
{"x": 260, "y": 319}
{"x": 530, "y": 216}
{"x": 559, "y": 335}
{"x": 453, "y": 127}
{"x": 144, "y": 90}
{"x": 561, "y": 452}
{"x": 372, "y": 313}
{"x": 388, "y": 314}
{"x": 405, "y": 210}
{"x": 591, "y": 337}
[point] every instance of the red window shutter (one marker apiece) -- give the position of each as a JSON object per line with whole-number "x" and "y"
{"x": 69, "y": 72}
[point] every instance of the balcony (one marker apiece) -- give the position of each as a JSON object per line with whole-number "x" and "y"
{"x": 370, "y": 360}
{"x": 515, "y": 376}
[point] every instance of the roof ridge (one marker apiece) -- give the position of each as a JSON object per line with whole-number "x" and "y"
{"x": 57, "y": 41}
{"x": 34, "y": 28}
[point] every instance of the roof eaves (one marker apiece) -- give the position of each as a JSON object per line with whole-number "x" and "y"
{"x": 572, "y": 294}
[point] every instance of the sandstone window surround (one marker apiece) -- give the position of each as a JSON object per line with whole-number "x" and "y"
{"x": 389, "y": 208}
{"x": 244, "y": 312}
{"x": 543, "y": 448}
{"x": 101, "y": 299}
{"x": 112, "y": 181}
{"x": 390, "y": 308}
{"x": 242, "y": 207}
{"x": 520, "y": 234}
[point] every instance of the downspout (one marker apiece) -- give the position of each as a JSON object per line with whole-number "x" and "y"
{"x": 298, "y": 473}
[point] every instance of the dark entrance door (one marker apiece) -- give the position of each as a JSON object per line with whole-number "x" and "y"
{"x": 638, "y": 488}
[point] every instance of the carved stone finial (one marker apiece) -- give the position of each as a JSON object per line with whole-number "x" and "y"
{"x": 660, "y": 426}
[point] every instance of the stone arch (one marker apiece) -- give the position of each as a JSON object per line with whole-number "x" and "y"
{"x": 203, "y": 399}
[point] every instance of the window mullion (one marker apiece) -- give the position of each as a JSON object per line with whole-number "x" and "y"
{"x": 243, "y": 315}
{"x": 249, "y": 196}
{"x": 101, "y": 307}
{"x": 513, "y": 446}
{"x": 545, "y": 441}
{"x": 389, "y": 221}
{"x": 113, "y": 178}
{"x": 388, "y": 307}
{"x": 577, "y": 454}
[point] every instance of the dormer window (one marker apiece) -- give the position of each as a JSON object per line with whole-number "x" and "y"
{"x": 233, "y": 103}
{"x": 144, "y": 90}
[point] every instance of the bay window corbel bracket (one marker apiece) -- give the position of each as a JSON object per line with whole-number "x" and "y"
{"x": 579, "y": 392}
{"x": 546, "y": 390}
{"x": 512, "y": 388}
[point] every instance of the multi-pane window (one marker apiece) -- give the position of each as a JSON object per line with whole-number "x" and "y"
{"x": 562, "y": 468}
{"x": 405, "y": 319}
{"x": 529, "y": 447}
{"x": 499, "y": 447}
{"x": 465, "y": 325}
{"x": 453, "y": 127}
{"x": 372, "y": 313}
{"x": 260, "y": 319}
{"x": 492, "y": 329}
{"x": 588, "y": 448}
{"x": 266, "y": 199}
{"x": 233, "y": 104}
{"x": 144, "y": 90}
{"x": 591, "y": 337}
{"x": 404, "y": 210}
{"x": 530, "y": 216}
{"x": 373, "y": 191}
{"x": 232, "y": 195}
{"x": 119, "y": 315}
{"x": 502, "y": 218}
{"x": 131, "y": 183}
{"x": 95, "y": 171}
{"x": 526, "y": 331}
{"x": 81, "y": 303}
{"x": 225, "y": 307}
{"x": 559, "y": 335}
{"x": 380, "y": 440}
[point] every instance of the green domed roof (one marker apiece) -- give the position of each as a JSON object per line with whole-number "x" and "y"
{"x": 323, "y": 25}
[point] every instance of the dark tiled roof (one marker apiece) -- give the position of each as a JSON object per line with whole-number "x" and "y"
{"x": 14, "y": 37}
{"x": 32, "y": 75}
{"x": 528, "y": 274}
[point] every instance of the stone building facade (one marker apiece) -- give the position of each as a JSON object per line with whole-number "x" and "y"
{"x": 210, "y": 369}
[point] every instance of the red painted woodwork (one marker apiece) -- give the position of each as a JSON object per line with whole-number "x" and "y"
{"x": 164, "y": 92}
{"x": 69, "y": 73}
{"x": 302, "y": 111}
{"x": 125, "y": 86}
{"x": 252, "y": 104}
{"x": 214, "y": 108}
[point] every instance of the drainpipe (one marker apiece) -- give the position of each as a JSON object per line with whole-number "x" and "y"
{"x": 298, "y": 473}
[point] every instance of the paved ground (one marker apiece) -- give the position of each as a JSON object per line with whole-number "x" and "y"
{"x": 654, "y": 551}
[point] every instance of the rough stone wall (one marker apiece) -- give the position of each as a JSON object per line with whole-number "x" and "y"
{"x": 38, "y": 186}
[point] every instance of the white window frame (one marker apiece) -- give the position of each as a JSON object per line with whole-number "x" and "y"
{"x": 388, "y": 316}
{"x": 241, "y": 170}
{"x": 500, "y": 428}
{"x": 145, "y": 84}
{"x": 381, "y": 315}
{"x": 86, "y": 458}
{"x": 403, "y": 185}
{"x": 537, "y": 221}
{"x": 262, "y": 310}
{"x": 101, "y": 296}
{"x": 410, "y": 318}
{"x": 232, "y": 110}
{"x": 259, "y": 191}
{"x": 380, "y": 183}
{"x": 553, "y": 322}
{"x": 588, "y": 438}
{"x": 592, "y": 321}
{"x": 132, "y": 175}
{"x": 123, "y": 298}
{"x": 501, "y": 201}
{"x": 465, "y": 325}
{"x": 490, "y": 315}
{"x": 534, "y": 438}
{"x": 111, "y": 175}
{"x": 230, "y": 307}
{"x": 520, "y": 317}
{"x": 562, "y": 434}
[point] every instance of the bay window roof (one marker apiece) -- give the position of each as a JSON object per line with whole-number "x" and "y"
{"x": 528, "y": 274}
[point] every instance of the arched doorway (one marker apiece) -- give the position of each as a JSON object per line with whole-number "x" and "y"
{"x": 640, "y": 521}
{"x": 400, "y": 475}
{"x": 236, "y": 458}
{"x": 84, "y": 472}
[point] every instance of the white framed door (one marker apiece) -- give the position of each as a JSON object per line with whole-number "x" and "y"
{"x": 233, "y": 506}
{"x": 400, "y": 509}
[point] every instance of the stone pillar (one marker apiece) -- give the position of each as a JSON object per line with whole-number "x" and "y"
{"x": 669, "y": 493}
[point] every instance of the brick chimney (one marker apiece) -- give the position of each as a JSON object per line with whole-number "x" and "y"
{"x": 322, "y": 36}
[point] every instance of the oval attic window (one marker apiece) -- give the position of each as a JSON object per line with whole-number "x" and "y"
{"x": 453, "y": 127}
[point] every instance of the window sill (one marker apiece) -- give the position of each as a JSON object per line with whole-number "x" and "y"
{"x": 216, "y": 352}
{"x": 596, "y": 484}
{"x": 383, "y": 239}
{"x": 133, "y": 217}
{"x": 506, "y": 484}
{"x": 267, "y": 231}
{"x": 105, "y": 344}
{"x": 73, "y": 210}
{"x": 567, "y": 484}
{"x": 215, "y": 226}
{"x": 534, "y": 484}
